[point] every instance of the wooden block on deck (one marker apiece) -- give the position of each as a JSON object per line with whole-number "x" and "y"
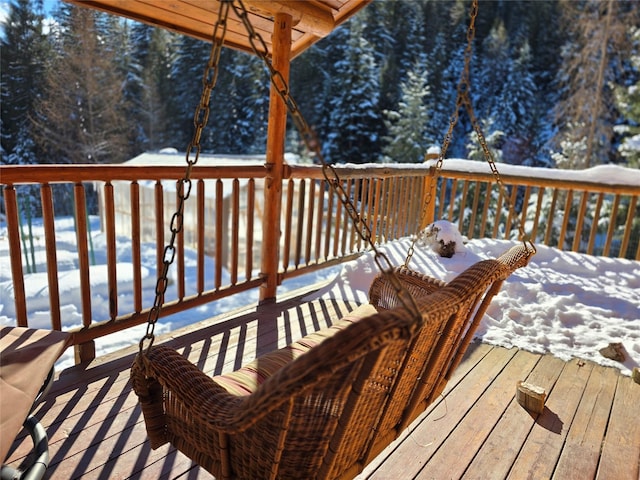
{"x": 531, "y": 396}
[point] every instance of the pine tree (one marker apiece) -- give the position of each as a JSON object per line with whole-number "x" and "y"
{"x": 355, "y": 117}
{"x": 187, "y": 71}
{"x": 490, "y": 73}
{"x": 23, "y": 61}
{"x": 148, "y": 86}
{"x": 515, "y": 111}
{"x": 256, "y": 106}
{"x": 81, "y": 117}
{"x": 310, "y": 82}
{"x": 628, "y": 103}
{"x": 406, "y": 140}
{"x": 586, "y": 114}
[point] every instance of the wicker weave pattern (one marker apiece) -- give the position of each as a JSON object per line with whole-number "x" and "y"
{"x": 327, "y": 412}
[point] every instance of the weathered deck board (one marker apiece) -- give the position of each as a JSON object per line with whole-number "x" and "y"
{"x": 501, "y": 448}
{"x": 411, "y": 456}
{"x": 476, "y": 429}
{"x": 456, "y": 453}
{"x": 582, "y": 448}
{"x": 621, "y": 450}
{"x": 541, "y": 450}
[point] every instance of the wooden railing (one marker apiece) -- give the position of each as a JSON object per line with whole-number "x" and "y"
{"x": 221, "y": 242}
{"x": 221, "y": 237}
{"x": 595, "y": 211}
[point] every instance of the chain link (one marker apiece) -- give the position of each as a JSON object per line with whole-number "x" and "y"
{"x": 328, "y": 171}
{"x": 183, "y": 186}
{"x": 463, "y": 99}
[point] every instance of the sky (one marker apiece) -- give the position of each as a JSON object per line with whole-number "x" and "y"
{"x": 5, "y": 7}
{"x": 568, "y": 304}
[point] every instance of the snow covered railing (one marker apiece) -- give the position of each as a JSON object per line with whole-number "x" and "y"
{"x": 97, "y": 232}
{"x": 594, "y": 211}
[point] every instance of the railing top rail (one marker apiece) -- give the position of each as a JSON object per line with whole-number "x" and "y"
{"x": 21, "y": 174}
{"x": 603, "y": 178}
{"x": 358, "y": 171}
{"x": 624, "y": 181}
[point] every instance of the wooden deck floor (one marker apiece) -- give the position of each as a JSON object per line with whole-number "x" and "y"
{"x": 590, "y": 427}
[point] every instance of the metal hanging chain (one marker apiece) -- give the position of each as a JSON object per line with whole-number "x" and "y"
{"x": 313, "y": 145}
{"x": 463, "y": 99}
{"x": 200, "y": 118}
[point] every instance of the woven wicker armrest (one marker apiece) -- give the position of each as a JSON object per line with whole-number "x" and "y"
{"x": 383, "y": 295}
{"x": 516, "y": 257}
{"x": 205, "y": 400}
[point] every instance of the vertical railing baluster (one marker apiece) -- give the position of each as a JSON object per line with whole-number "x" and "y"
{"x": 474, "y": 209}
{"x": 536, "y": 219}
{"x": 565, "y": 219}
{"x": 288, "y": 225}
{"x": 235, "y": 228}
{"x": 580, "y": 221}
{"x": 628, "y": 226}
{"x": 48, "y": 221}
{"x": 370, "y": 203}
{"x": 550, "y": 217}
{"x": 510, "y": 212}
{"x": 310, "y": 217}
{"x": 356, "y": 240}
{"x": 337, "y": 231}
{"x": 159, "y": 217}
{"x": 110, "y": 232}
{"x": 443, "y": 191}
{"x": 319, "y": 217}
{"x": 594, "y": 225}
{"x": 200, "y": 232}
{"x": 525, "y": 205}
{"x": 347, "y": 225}
{"x": 251, "y": 202}
{"x": 136, "y": 257}
{"x": 219, "y": 234}
{"x": 612, "y": 225}
{"x": 329, "y": 230}
{"x": 485, "y": 208}
{"x": 452, "y": 198}
{"x": 389, "y": 206}
{"x": 15, "y": 252}
{"x": 300, "y": 224}
{"x": 86, "y": 351}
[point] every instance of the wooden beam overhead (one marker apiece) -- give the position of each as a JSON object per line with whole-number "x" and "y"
{"x": 312, "y": 20}
{"x": 306, "y": 16}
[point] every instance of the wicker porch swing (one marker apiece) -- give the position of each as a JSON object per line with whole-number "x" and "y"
{"x": 327, "y": 404}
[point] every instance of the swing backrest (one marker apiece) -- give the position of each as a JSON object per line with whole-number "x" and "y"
{"x": 439, "y": 346}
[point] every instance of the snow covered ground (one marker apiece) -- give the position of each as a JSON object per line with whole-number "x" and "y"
{"x": 565, "y": 303}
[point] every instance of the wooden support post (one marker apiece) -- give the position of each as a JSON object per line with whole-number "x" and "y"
{"x": 275, "y": 160}
{"x": 430, "y": 184}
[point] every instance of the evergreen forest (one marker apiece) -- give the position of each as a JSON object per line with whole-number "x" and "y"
{"x": 554, "y": 83}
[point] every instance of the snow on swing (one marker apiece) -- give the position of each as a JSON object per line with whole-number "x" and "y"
{"x": 443, "y": 237}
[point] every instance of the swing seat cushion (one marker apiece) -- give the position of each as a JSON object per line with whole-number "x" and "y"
{"x": 247, "y": 379}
